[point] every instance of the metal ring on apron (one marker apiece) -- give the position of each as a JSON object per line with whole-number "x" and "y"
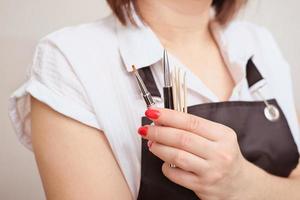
{"x": 271, "y": 112}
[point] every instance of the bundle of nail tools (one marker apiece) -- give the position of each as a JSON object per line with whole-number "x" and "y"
{"x": 175, "y": 90}
{"x": 174, "y": 86}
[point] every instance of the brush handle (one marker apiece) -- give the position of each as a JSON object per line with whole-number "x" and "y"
{"x": 168, "y": 98}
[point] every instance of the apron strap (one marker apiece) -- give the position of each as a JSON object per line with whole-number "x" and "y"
{"x": 252, "y": 73}
{"x": 147, "y": 76}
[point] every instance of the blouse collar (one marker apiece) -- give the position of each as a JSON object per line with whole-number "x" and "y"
{"x": 140, "y": 46}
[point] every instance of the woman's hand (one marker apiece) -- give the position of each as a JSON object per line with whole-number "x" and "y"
{"x": 206, "y": 154}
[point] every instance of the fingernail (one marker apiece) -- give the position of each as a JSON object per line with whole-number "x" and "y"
{"x": 152, "y": 114}
{"x": 143, "y": 130}
{"x": 149, "y": 143}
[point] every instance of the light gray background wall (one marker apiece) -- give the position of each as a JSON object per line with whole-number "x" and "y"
{"x": 22, "y": 23}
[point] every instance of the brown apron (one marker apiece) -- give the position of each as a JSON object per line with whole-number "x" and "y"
{"x": 267, "y": 143}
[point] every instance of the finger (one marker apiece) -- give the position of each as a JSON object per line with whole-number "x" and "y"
{"x": 181, "y": 177}
{"x": 157, "y": 124}
{"x": 182, "y": 159}
{"x": 154, "y": 107}
{"x": 200, "y": 126}
{"x": 180, "y": 139}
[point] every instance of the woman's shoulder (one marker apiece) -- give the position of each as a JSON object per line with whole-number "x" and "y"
{"x": 249, "y": 40}
{"x": 246, "y": 30}
{"x": 101, "y": 29}
{"x": 87, "y": 47}
{"x": 250, "y": 36}
{"x": 95, "y": 39}
{"x": 246, "y": 39}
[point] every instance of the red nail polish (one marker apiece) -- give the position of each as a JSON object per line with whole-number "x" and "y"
{"x": 152, "y": 114}
{"x": 149, "y": 143}
{"x": 143, "y": 130}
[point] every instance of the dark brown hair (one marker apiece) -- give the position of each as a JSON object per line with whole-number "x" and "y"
{"x": 225, "y": 9}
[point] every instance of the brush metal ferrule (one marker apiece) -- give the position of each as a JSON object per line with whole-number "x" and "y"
{"x": 148, "y": 99}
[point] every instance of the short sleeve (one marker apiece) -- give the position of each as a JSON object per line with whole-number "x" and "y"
{"x": 52, "y": 80}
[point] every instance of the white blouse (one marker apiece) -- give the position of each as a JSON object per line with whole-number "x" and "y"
{"x": 84, "y": 72}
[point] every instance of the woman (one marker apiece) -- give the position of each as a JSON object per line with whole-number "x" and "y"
{"x": 238, "y": 141}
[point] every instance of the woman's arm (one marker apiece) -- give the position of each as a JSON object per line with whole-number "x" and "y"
{"x": 264, "y": 186}
{"x": 74, "y": 160}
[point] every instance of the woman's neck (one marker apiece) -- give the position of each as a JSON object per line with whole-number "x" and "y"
{"x": 177, "y": 22}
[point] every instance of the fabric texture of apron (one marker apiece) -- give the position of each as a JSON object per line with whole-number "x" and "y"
{"x": 268, "y": 144}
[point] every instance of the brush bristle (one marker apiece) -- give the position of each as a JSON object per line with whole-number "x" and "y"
{"x": 133, "y": 67}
